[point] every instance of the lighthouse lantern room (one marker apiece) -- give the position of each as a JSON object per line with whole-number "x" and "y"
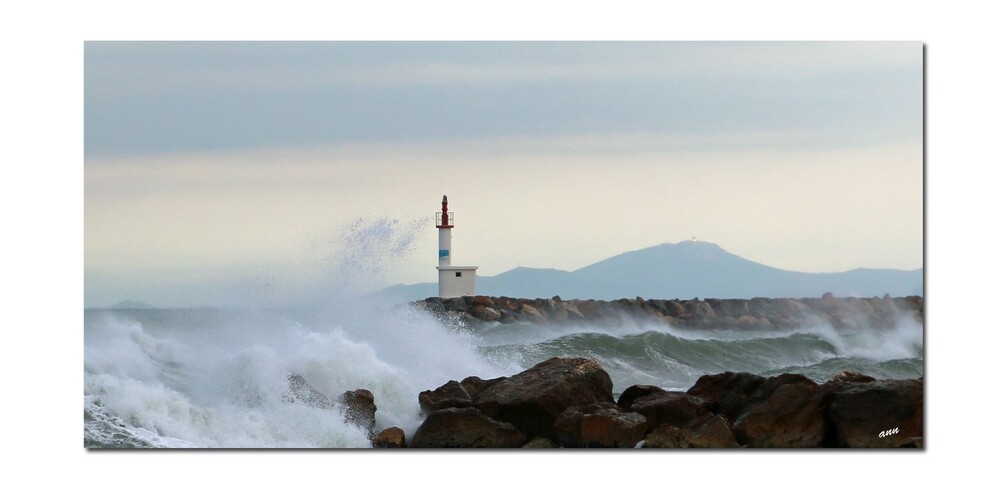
{"x": 452, "y": 281}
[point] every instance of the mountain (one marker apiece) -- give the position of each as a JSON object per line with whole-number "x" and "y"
{"x": 682, "y": 271}
{"x": 130, "y": 304}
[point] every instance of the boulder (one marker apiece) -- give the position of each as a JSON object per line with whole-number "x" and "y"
{"x": 360, "y": 408}
{"x": 456, "y": 304}
{"x": 465, "y": 428}
{"x": 299, "y": 391}
{"x": 449, "y": 395}
{"x": 707, "y": 431}
{"x": 475, "y": 386}
{"x": 674, "y": 408}
{"x": 481, "y": 300}
{"x": 454, "y": 394}
{"x": 884, "y": 413}
{"x": 531, "y": 313}
{"x": 540, "y": 443}
{"x": 848, "y": 376}
{"x": 532, "y": 400}
{"x": 728, "y": 392}
{"x": 484, "y": 313}
{"x": 786, "y": 411}
{"x": 635, "y": 392}
{"x": 599, "y": 425}
{"x": 392, "y": 437}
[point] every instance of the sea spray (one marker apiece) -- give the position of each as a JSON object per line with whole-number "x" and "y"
{"x": 217, "y": 377}
{"x": 222, "y": 384}
{"x": 636, "y": 351}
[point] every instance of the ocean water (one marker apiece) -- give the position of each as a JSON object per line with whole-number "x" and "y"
{"x": 213, "y": 378}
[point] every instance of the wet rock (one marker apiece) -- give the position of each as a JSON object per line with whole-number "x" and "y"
{"x": 392, "y": 437}
{"x": 455, "y": 304}
{"x": 540, "y": 443}
{"x": 531, "y": 313}
{"x": 481, "y": 300}
{"x": 707, "y": 431}
{"x": 449, "y": 395}
{"x": 360, "y": 408}
{"x": 454, "y": 394}
{"x": 884, "y": 413}
{"x": 674, "y": 408}
{"x": 599, "y": 425}
{"x": 728, "y": 392}
{"x": 475, "y": 386}
{"x": 848, "y": 376}
{"x": 635, "y": 392}
{"x": 484, "y": 313}
{"x": 299, "y": 391}
{"x": 786, "y": 411}
{"x": 465, "y": 428}
{"x": 532, "y": 400}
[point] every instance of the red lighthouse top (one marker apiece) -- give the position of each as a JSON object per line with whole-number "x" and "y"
{"x": 444, "y": 219}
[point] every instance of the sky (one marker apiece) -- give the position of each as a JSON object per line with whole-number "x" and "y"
{"x": 232, "y": 173}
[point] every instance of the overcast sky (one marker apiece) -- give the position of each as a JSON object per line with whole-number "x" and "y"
{"x": 223, "y": 173}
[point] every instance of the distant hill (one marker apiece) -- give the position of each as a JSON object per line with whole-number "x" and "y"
{"x": 681, "y": 271}
{"x": 129, "y": 304}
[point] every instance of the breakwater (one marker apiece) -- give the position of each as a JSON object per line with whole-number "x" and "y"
{"x": 757, "y": 314}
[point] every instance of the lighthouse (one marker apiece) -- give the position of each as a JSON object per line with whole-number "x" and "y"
{"x": 452, "y": 281}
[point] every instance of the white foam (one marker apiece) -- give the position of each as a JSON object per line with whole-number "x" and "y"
{"x": 221, "y": 385}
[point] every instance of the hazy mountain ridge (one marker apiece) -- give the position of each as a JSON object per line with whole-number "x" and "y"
{"x": 679, "y": 271}
{"x": 131, "y": 304}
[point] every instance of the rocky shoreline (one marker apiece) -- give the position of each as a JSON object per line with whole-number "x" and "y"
{"x": 737, "y": 314}
{"x": 569, "y": 403}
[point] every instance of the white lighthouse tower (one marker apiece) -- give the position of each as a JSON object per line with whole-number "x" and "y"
{"x": 452, "y": 281}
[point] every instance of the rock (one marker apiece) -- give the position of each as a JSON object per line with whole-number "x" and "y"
{"x": 449, "y": 395}
{"x": 756, "y": 314}
{"x": 884, "y": 413}
{"x": 599, "y": 425}
{"x": 392, "y": 437}
{"x": 569, "y": 311}
{"x": 484, "y": 313}
{"x": 359, "y": 404}
{"x": 674, "y": 408}
{"x": 728, "y": 392}
{"x": 531, "y": 313}
{"x": 456, "y": 304}
{"x": 786, "y": 411}
{"x": 532, "y": 400}
{"x": 360, "y": 408}
{"x": 848, "y": 376}
{"x": 465, "y": 428}
{"x": 507, "y": 317}
{"x": 474, "y": 385}
{"x": 707, "y": 431}
{"x": 454, "y": 394}
{"x": 635, "y": 392}
{"x": 540, "y": 443}
{"x": 481, "y": 300}
{"x": 299, "y": 391}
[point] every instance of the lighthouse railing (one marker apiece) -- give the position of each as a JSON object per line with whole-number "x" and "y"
{"x": 439, "y": 219}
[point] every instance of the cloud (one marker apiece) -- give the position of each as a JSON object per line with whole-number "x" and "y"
{"x": 155, "y": 97}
